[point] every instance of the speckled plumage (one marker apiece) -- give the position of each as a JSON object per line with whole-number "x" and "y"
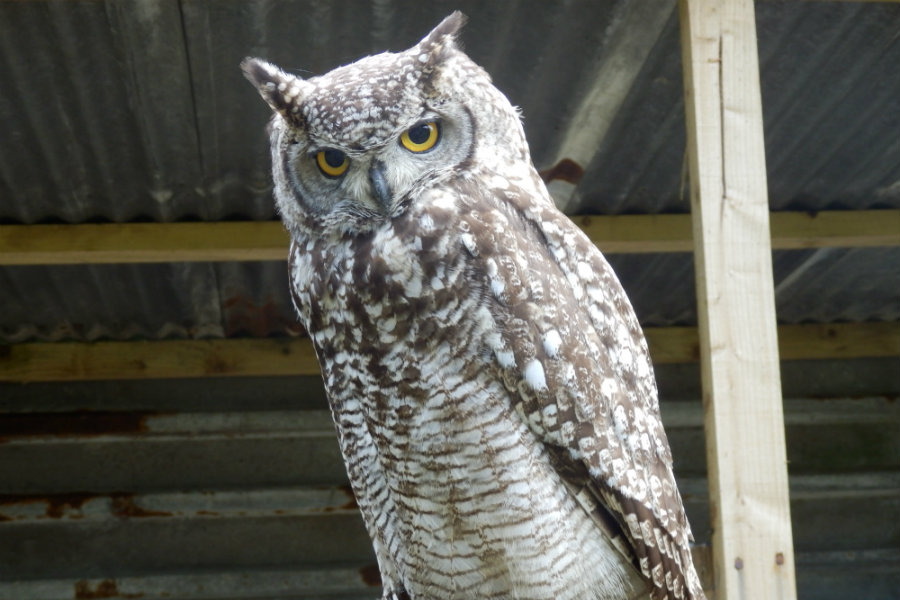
{"x": 490, "y": 385}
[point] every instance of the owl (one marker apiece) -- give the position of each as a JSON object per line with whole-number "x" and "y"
{"x": 490, "y": 385}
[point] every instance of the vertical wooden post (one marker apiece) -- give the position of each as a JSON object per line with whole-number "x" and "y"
{"x": 748, "y": 484}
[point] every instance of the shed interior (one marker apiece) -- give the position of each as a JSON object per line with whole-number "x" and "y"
{"x": 164, "y": 431}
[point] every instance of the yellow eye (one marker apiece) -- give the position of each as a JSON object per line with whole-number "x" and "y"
{"x": 332, "y": 163}
{"x": 422, "y": 137}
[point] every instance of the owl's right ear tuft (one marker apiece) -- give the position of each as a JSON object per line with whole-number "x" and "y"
{"x": 436, "y": 47}
{"x": 281, "y": 91}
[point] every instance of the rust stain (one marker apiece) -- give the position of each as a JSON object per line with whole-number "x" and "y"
{"x": 371, "y": 576}
{"x": 78, "y": 424}
{"x": 565, "y": 170}
{"x": 108, "y": 588}
{"x": 351, "y": 503}
{"x": 243, "y": 316}
{"x": 124, "y": 507}
{"x": 57, "y": 504}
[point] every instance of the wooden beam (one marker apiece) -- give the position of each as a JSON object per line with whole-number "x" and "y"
{"x": 839, "y": 340}
{"x": 749, "y": 505}
{"x": 75, "y": 361}
{"x": 834, "y": 229}
{"x": 811, "y": 341}
{"x": 252, "y": 240}
{"x": 83, "y": 361}
{"x": 638, "y": 234}
{"x": 142, "y": 243}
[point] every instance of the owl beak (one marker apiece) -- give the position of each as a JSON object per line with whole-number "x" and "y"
{"x": 380, "y": 187}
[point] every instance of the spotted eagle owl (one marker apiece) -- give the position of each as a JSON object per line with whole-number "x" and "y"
{"x": 490, "y": 385}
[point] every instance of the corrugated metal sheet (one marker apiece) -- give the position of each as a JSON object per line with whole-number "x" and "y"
{"x": 219, "y": 488}
{"x": 208, "y": 300}
{"x": 148, "y": 301}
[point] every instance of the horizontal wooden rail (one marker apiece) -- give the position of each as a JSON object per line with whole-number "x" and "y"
{"x": 257, "y": 241}
{"x": 142, "y": 243}
{"x": 73, "y": 361}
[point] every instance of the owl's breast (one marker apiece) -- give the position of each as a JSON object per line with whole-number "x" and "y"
{"x": 471, "y": 502}
{"x": 447, "y": 475}
{"x": 393, "y": 294}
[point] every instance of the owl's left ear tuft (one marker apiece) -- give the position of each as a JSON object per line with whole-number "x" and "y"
{"x": 281, "y": 91}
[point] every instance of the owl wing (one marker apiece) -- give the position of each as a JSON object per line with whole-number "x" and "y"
{"x": 573, "y": 356}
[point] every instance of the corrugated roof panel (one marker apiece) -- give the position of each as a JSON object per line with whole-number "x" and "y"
{"x": 831, "y": 102}
{"x": 202, "y": 300}
{"x": 837, "y": 284}
{"x": 830, "y": 92}
{"x": 97, "y": 113}
{"x": 145, "y": 301}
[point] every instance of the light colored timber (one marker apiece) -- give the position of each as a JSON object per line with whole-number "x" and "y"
{"x": 142, "y": 243}
{"x": 74, "y": 361}
{"x": 835, "y": 229}
{"x": 812, "y": 341}
{"x": 753, "y": 553}
{"x": 258, "y": 241}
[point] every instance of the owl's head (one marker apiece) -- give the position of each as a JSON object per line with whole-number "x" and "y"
{"x": 353, "y": 147}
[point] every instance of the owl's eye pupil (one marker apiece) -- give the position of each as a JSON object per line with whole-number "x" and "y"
{"x": 420, "y": 133}
{"x": 333, "y": 163}
{"x": 422, "y": 137}
{"x": 333, "y": 158}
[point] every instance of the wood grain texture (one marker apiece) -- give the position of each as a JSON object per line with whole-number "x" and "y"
{"x": 74, "y": 361}
{"x": 142, "y": 243}
{"x": 744, "y": 423}
{"x": 268, "y": 241}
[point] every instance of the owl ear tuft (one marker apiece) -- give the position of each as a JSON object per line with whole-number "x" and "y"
{"x": 445, "y": 33}
{"x": 282, "y": 91}
{"x": 437, "y": 46}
